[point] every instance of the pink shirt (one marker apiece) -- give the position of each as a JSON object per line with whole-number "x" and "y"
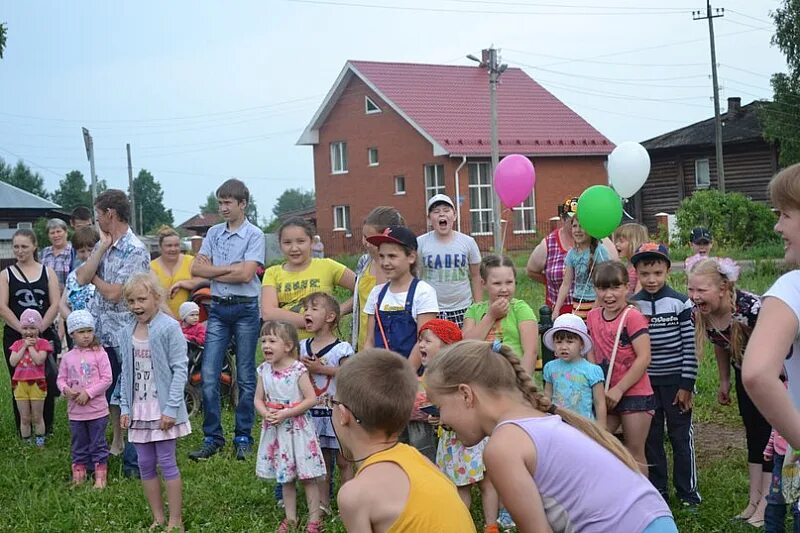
{"x": 195, "y": 334}
{"x": 26, "y": 369}
{"x": 86, "y": 369}
{"x": 604, "y": 333}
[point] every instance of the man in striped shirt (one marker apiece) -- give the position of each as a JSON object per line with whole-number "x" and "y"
{"x": 672, "y": 371}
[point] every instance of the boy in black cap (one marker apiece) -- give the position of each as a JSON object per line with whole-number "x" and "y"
{"x": 672, "y": 372}
{"x": 701, "y": 242}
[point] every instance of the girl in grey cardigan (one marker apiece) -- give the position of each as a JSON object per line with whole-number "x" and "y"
{"x": 154, "y": 370}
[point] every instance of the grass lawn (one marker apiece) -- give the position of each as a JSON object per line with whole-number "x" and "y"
{"x": 223, "y": 494}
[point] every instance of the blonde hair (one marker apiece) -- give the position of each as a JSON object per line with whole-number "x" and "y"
{"x": 738, "y": 337}
{"x": 166, "y": 231}
{"x": 284, "y": 331}
{"x": 147, "y": 280}
{"x": 784, "y": 188}
{"x": 635, "y": 234}
{"x": 379, "y": 388}
{"x": 474, "y": 362}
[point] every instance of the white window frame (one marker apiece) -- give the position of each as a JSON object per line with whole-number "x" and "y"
{"x": 434, "y": 181}
{"x": 529, "y": 205}
{"x": 341, "y": 218}
{"x": 24, "y": 225}
{"x": 370, "y": 161}
{"x": 399, "y": 185}
{"x": 483, "y": 172}
{"x": 369, "y": 102}
{"x": 339, "y": 157}
{"x": 706, "y": 183}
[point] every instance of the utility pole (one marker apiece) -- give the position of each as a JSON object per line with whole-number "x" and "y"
{"x": 130, "y": 187}
{"x": 710, "y": 16}
{"x": 489, "y": 59}
{"x": 89, "y": 143}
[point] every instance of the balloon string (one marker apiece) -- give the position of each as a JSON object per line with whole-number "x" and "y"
{"x": 588, "y": 278}
{"x": 504, "y": 223}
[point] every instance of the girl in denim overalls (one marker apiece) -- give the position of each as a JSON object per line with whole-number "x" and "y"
{"x": 398, "y": 308}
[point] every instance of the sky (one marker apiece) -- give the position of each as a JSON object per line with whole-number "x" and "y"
{"x": 204, "y": 91}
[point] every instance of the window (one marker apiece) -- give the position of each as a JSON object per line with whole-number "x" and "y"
{"x": 525, "y": 216}
{"x": 339, "y": 157}
{"x": 341, "y": 218}
{"x": 399, "y": 185}
{"x": 434, "y": 181}
{"x": 370, "y": 107}
{"x": 372, "y": 157}
{"x": 480, "y": 198}
{"x": 702, "y": 174}
{"x": 24, "y": 225}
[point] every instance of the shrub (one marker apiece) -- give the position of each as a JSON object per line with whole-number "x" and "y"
{"x": 733, "y": 219}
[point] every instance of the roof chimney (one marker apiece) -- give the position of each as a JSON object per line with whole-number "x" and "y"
{"x": 734, "y": 105}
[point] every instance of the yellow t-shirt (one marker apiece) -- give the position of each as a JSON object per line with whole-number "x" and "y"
{"x": 321, "y": 275}
{"x": 366, "y": 282}
{"x": 183, "y": 272}
{"x": 433, "y": 503}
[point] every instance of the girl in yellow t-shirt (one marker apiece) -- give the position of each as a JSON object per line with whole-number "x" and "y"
{"x": 286, "y": 286}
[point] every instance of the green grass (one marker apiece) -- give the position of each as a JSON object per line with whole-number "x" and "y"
{"x": 223, "y": 494}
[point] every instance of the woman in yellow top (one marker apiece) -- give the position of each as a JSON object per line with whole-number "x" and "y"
{"x": 174, "y": 270}
{"x": 286, "y": 286}
{"x": 368, "y": 271}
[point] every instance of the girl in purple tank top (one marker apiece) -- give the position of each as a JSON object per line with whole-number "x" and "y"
{"x": 553, "y": 469}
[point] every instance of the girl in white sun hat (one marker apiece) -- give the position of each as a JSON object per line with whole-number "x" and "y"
{"x": 570, "y": 381}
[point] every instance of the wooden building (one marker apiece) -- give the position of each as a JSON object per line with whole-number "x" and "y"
{"x": 684, "y": 161}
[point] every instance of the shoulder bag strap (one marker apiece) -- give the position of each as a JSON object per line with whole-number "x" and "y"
{"x": 378, "y": 315}
{"x": 616, "y": 347}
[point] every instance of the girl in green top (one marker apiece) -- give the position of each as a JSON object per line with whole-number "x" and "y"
{"x": 502, "y": 316}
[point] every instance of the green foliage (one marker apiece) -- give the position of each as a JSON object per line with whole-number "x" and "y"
{"x": 781, "y": 117}
{"x": 293, "y": 200}
{"x": 23, "y": 177}
{"x": 150, "y": 202}
{"x": 72, "y": 192}
{"x": 3, "y": 33}
{"x": 40, "y": 229}
{"x": 733, "y": 219}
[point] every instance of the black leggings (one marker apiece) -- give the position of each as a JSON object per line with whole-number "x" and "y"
{"x": 10, "y": 336}
{"x": 756, "y": 427}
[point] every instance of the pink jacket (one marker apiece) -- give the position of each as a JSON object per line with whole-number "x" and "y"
{"x": 196, "y": 333}
{"x": 86, "y": 369}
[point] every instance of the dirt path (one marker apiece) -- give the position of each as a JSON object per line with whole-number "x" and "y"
{"x": 716, "y": 441}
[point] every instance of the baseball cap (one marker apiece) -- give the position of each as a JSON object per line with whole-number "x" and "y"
{"x": 569, "y": 207}
{"x": 700, "y": 235}
{"x": 572, "y": 323}
{"x": 651, "y": 250}
{"x": 440, "y": 199}
{"x": 395, "y": 234}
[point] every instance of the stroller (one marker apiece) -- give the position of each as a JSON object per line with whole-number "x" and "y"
{"x": 193, "y": 391}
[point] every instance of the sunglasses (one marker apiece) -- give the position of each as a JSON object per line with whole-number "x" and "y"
{"x": 337, "y": 402}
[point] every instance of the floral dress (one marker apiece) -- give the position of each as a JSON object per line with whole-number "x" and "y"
{"x": 464, "y": 466}
{"x": 290, "y": 449}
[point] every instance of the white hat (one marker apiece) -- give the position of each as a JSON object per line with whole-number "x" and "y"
{"x": 571, "y": 323}
{"x": 440, "y": 199}
{"x": 187, "y": 308}
{"x": 81, "y": 319}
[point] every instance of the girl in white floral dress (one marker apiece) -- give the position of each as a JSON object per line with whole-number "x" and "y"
{"x": 289, "y": 448}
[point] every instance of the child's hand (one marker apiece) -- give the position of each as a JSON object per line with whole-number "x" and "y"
{"x": 499, "y": 308}
{"x": 613, "y": 396}
{"x": 683, "y": 399}
{"x": 313, "y": 364}
{"x": 271, "y": 416}
{"x": 166, "y": 423}
{"x": 30, "y": 342}
{"x": 124, "y": 421}
{"x": 433, "y": 420}
{"x": 281, "y": 415}
{"x": 82, "y": 398}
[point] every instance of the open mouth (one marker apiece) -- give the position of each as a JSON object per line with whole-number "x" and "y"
{"x": 442, "y": 223}
{"x": 309, "y": 323}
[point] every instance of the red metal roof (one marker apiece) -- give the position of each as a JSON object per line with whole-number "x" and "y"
{"x": 203, "y": 220}
{"x": 451, "y": 104}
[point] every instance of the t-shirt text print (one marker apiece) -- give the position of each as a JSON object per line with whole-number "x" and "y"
{"x": 294, "y": 291}
{"x": 144, "y": 389}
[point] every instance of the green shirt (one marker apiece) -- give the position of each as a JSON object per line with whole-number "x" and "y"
{"x": 518, "y": 311}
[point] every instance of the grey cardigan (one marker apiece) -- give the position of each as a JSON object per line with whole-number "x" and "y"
{"x": 170, "y": 365}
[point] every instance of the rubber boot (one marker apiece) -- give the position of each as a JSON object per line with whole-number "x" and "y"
{"x": 78, "y": 474}
{"x": 100, "y": 475}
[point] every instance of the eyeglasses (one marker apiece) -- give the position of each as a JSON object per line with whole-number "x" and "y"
{"x": 337, "y": 402}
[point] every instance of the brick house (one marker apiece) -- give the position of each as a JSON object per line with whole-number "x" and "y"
{"x": 398, "y": 133}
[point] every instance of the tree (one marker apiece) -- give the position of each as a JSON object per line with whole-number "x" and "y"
{"x": 293, "y": 200}
{"x": 3, "y": 32}
{"x": 150, "y": 202}
{"x": 781, "y": 117}
{"x": 23, "y": 177}
{"x": 73, "y": 192}
{"x": 212, "y": 206}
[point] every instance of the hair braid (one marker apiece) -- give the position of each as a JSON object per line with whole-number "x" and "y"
{"x": 524, "y": 382}
{"x": 737, "y": 340}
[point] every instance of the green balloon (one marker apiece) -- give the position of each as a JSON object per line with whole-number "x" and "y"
{"x": 599, "y": 211}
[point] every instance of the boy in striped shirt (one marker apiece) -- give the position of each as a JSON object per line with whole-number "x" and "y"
{"x": 672, "y": 371}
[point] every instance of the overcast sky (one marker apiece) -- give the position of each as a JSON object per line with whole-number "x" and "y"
{"x": 208, "y": 90}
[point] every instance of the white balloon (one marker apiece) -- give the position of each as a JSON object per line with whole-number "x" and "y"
{"x": 628, "y": 168}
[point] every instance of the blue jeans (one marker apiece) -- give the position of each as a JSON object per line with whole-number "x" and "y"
{"x": 130, "y": 462}
{"x": 775, "y": 513}
{"x": 225, "y": 321}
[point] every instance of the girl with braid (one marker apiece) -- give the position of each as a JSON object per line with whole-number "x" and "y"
{"x": 551, "y": 467}
{"x": 727, "y": 316}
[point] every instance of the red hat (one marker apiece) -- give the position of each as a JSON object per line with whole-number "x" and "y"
{"x": 447, "y": 331}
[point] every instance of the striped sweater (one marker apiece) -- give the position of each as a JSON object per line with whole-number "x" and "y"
{"x": 673, "y": 359}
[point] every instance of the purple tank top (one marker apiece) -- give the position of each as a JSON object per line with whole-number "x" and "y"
{"x": 554, "y": 268}
{"x": 583, "y": 486}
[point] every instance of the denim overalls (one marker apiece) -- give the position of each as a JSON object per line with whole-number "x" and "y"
{"x": 399, "y": 326}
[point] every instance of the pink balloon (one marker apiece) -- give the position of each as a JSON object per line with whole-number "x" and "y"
{"x": 514, "y": 179}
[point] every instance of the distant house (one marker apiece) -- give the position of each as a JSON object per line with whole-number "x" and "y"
{"x": 21, "y": 209}
{"x": 200, "y": 224}
{"x": 684, "y": 161}
{"x": 309, "y": 214}
{"x": 398, "y": 133}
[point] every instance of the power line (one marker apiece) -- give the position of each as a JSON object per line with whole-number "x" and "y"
{"x": 571, "y": 6}
{"x": 745, "y": 15}
{"x": 29, "y": 162}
